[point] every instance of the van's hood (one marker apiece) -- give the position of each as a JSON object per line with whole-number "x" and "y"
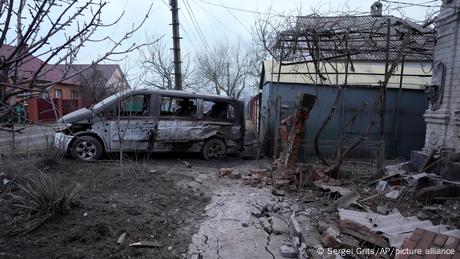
{"x": 80, "y": 115}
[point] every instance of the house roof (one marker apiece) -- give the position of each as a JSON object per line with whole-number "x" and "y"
{"x": 30, "y": 63}
{"x": 103, "y": 72}
{"x": 53, "y": 73}
{"x": 367, "y": 38}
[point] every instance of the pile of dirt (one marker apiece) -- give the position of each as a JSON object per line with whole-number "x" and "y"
{"x": 146, "y": 204}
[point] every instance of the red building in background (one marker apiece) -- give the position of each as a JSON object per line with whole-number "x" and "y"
{"x": 83, "y": 85}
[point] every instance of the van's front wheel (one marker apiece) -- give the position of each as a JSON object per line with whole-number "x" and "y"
{"x": 213, "y": 149}
{"x": 86, "y": 148}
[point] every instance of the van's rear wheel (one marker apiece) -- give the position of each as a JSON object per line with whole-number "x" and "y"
{"x": 213, "y": 149}
{"x": 86, "y": 148}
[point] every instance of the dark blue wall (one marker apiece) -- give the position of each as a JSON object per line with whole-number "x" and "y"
{"x": 400, "y": 137}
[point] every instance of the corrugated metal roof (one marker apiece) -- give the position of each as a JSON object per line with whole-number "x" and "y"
{"x": 395, "y": 226}
{"x": 367, "y": 37}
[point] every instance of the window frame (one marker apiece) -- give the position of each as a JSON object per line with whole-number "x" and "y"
{"x": 56, "y": 91}
{"x": 115, "y": 106}
{"x": 227, "y": 118}
{"x": 160, "y": 103}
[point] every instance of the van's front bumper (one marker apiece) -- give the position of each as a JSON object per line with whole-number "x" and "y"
{"x": 62, "y": 141}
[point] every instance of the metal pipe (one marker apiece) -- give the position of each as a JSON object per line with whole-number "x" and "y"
{"x": 384, "y": 94}
{"x": 396, "y": 133}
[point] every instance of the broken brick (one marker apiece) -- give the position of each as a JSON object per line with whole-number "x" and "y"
{"x": 410, "y": 244}
{"x": 427, "y": 240}
{"x": 330, "y": 238}
{"x": 362, "y": 232}
{"x": 225, "y": 172}
{"x": 440, "y": 240}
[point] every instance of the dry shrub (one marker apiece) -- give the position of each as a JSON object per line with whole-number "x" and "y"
{"x": 41, "y": 198}
{"x": 50, "y": 158}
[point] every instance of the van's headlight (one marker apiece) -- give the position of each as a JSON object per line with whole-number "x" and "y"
{"x": 62, "y": 126}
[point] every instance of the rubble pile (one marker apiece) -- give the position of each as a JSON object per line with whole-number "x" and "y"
{"x": 355, "y": 214}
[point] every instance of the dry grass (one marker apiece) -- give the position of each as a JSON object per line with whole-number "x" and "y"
{"x": 39, "y": 199}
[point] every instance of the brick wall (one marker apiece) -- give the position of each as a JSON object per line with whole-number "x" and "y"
{"x": 443, "y": 124}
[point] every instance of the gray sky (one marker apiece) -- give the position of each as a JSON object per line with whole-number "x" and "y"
{"x": 216, "y": 22}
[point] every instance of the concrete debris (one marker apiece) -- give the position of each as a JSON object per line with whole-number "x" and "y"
{"x": 348, "y": 197}
{"x": 6, "y": 182}
{"x": 143, "y": 244}
{"x": 381, "y": 186}
{"x": 279, "y": 227}
{"x": 198, "y": 180}
{"x": 278, "y": 192}
{"x": 393, "y": 194}
{"x": 322, "y": 226}
{"x": 302, "y": 251}
{"x": 346, "y": 200}
{"x": 398, "y": 169}
{"x": 257, "y": 177}
{"x": 288, "y": 251}
{"x": 121, "y": 239}
{"x": 334, "y": 189}
{"x": 187, "y": 164}
{"x": 294, "y": 226}
{"x": 236, "y": 174}
{"x": 295, "y": 242}
{"x": 264, "y": 222}
{"x": 255, "y": 212}
{"x": 259, "y": 172}
{"x": 230, "y": 173}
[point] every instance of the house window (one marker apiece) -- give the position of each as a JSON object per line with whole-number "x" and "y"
{"x": 57, "y": 93}
{"x": 74, "y": 95}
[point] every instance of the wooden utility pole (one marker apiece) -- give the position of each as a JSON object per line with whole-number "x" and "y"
{"x": 176, "y": 45}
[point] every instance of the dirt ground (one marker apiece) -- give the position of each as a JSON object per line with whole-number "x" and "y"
{"x": 185, "y": 207}
{"x": 142, "y": 199}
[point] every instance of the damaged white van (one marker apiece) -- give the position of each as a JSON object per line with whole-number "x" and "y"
{"x": 154, "y": 121}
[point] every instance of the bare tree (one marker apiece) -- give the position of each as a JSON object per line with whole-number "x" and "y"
{"x": 97, "y": 84}
{"x": 55, "y": 31}
{"x": 227, "y": 68}
{"x": 157, "y": 63}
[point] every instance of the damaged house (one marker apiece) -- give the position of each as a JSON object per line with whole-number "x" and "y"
{"x": 362, "y": 69}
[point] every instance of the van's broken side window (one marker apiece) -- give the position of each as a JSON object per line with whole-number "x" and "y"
{"x": 136, "y": 105}
{"x": 218, "y": 110}
{"x": 178, "y": 106}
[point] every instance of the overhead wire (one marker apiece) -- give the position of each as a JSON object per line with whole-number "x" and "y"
{"x": 216, "y": 19}
{"x": 236, "y": 18}
{"x": 196, "y": 25}
{"x": 184, "y": 29}
{"x": 409, "y": 4}
{"x": 241, "y": 9}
